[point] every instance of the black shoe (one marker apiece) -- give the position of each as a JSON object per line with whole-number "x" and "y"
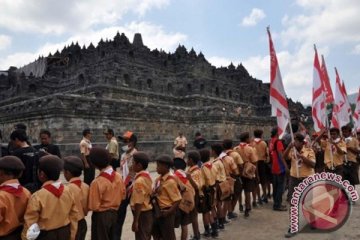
{"x": 260, "y": 202}
{"x": 289, "y": 234}
{"x": 226, "y": 222}
{"x": 195, "y": 238}
{"x": 254, "y": 204}
{"x": 221, "y": 227}
{"x": 281, "y": 209}
{"x": 265, "y": 200}
{"x": 247, "y": 213}
{"x": 207, "y": 233}
{"x": 232, "y": 215}
{"x": 214, "y": 234}
{"x": 241, "y": 208}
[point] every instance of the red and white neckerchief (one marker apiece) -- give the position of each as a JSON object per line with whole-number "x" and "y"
{"x": 193, "y": 169}
{"x": 333, "y": 148}
{"x": 77, "y": 182}
{"x": 222, "y": 155}
{"x": 144, "y": 174}
{"x": 208, "y": 165}
{"x": 13, "y": 188}
{"x": 108, "y": 173}
{"x": 257, "y": 140}
{"x": 242, "y": 145}
{"x": 181, "y": 175}
{"x": 56, "y": 188}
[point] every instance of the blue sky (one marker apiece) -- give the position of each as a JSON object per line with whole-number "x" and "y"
{"x": 225, "y": 31}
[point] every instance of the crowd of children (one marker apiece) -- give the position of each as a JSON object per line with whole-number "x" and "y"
{"x": 209, "y": 181}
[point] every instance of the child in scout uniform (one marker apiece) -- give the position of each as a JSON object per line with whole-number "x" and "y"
{"x": 264, "y": 171}
{"x": 233, "y": 163}
{"x": 334, "y": 153}
{"x": 223, "y": 189}
{"x": 195, "y": 178}
{"x": 53, "y": 207}
{"x": 73, "y": 167}
{"x": 302, "y": 158}
{"x": 105, "y": 195}
{"x": 140, "y": 202}
{"x": 13, "y": 198}
{"x": 187, "y": 203}
{"x": 209, "y": 191}
{"x": 351, "y": 166}
{"x": 249, "y": 157}
{"x": 167, "y": 198}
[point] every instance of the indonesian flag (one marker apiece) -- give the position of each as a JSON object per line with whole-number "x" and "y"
{"x": 340, "y": 115}
{"x": 318, "y": 101}
{"x": 357, "y": 113}
{"x": 326, "y": 82}
{"x": 278, "y": 101}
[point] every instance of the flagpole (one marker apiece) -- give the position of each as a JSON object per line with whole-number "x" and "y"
{"x": 331, "y": 153}
{"x": 294, "y": 150}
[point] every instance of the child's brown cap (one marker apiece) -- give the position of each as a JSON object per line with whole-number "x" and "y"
{"x": 11, "y": 163}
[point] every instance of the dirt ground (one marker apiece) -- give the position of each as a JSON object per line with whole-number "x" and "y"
{"x": 263, "y": 223}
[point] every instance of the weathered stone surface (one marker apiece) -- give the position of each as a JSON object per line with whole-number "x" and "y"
{"x": 125, "y": 86}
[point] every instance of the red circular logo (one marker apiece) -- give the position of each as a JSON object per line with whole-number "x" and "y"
{"x": 326, "y": 206}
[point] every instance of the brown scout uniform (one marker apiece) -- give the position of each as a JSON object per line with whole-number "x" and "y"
{"x": 105, "y": 195}
{"x": 141, "y": 192}
{"x": 80, "y": 191}
{"x": 338, "y": 158}
{"x": 13, "y": 202}
{"x": 54, "y": 209}
{"x": 247, "y": 154}
{"x": 209, "y": 190}
{"x": 167, "y": 193}
{"x": 351, "y": 166}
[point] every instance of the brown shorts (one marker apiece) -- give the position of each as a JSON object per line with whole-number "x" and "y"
{"x": 351, "y": 172}
{"x": 14, "y": 235}
{"x": 55, "y": 234}
{"x": 103, "y": 225}
{"x": 146, "y": 221}
{"x": 82, "y": 229}
{"x": 163, "y": 227}
{"x": 182, "y": 218}
{"x": 248, "y": 184}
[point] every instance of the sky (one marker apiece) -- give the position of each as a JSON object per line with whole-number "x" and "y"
{"x": 224, "y": 31}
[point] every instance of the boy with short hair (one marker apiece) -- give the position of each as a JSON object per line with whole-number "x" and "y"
{"x": 13, "y": 198}
{"x": 168, "y": 197}
{"x": 187, "y": 203}
{"x": 232, "y": 169}
{"x": 140, "y": 202}
{"x": 73, "y": 167}
{"x": 334, "y": 153}
{"x": 249, "y": 157}
{"x": 220, "y": 175}
{"x": 195, "y": 178}
{"x": 209, "y": 190}
{"x": 263, "y": 171}
{"x": 351, "y": 166}
{"x": 53, "y": 207}
{"x": 105, "y": 195}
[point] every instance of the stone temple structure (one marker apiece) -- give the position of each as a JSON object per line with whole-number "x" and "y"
{"x": 127, "y": 86}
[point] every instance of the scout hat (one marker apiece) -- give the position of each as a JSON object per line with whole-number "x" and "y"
{"x": 11, "y": 163}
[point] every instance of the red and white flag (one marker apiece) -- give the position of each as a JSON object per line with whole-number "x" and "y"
{"x": 278, "y": 101}
{"x": 326, "y": 81}
{"x": 318, "y": 97}
{"x": 347, "y": 103}
{"x": 357, "y": 113}
{"x": 340, "y": 115}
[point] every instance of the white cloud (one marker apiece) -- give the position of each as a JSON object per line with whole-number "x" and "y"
{"x": 5, "y": 42}
{"x": 53, "y": 16}
{"x": 356, "y": 49}
{"x": 153, "y": 36}
{"x": 255, "y": 16}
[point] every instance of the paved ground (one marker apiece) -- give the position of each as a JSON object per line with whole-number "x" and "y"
{"x": 263, "y": 223}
